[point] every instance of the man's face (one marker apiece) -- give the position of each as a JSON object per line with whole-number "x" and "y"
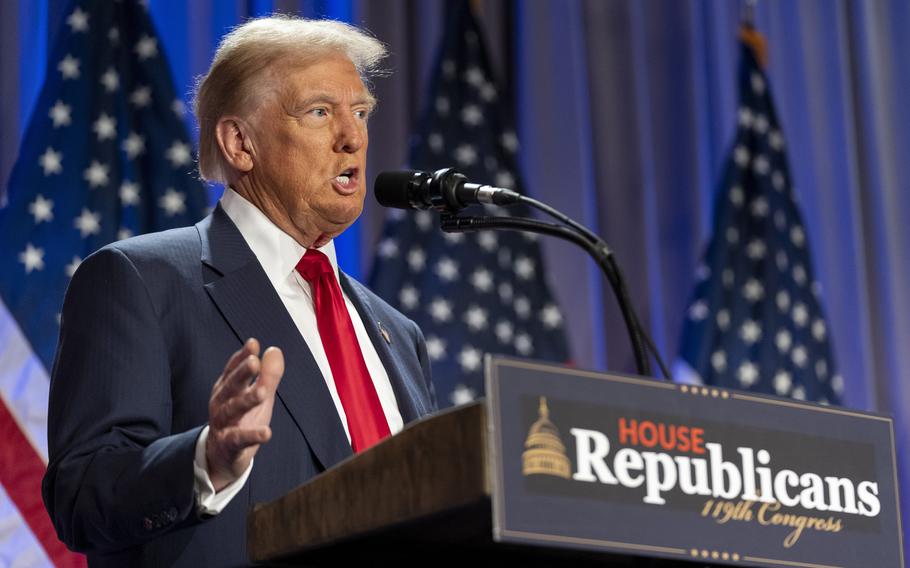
{"x": 310, "y": 149}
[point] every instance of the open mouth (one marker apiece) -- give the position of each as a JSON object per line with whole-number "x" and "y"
{"x": 346, "y": 182}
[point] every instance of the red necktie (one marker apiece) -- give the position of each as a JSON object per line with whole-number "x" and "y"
{"x": 366, "y": 420}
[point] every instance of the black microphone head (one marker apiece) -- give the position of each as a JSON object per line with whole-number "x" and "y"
{"x": 399, "y": 189}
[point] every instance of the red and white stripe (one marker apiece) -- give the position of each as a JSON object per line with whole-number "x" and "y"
{"x": 27, "y": 537}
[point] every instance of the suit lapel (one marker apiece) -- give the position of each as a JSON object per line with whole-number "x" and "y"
{"x": 249, "y": 303}
{"x": 407, "y": 402}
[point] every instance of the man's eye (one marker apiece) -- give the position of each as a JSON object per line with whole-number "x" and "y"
{"x": 362, "y": 114}
{"x": 319, "y": 112}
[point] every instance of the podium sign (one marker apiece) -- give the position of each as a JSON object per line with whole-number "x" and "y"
{"x": 622, "y": 464}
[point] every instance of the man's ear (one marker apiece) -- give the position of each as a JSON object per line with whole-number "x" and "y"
{"x": 233, "y": 137}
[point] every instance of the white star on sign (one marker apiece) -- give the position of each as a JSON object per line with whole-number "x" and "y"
{"x": 469, "y": 358}
{"x": 96, "y": 174}
{"x": 782, "y": 383}
{"x": 440, "y": 310}
{"x": 821, "y": 368}
{"x": 777, "y": 180}
{"x": 78, "y": 21}
{"x": 179, "y": 154}
{"x": 488, "y": 92}
{"x": 388, "y": 248}
{"x": 797, "y": 236}
{"x": 70, "y": 268}
{"x": 417, "y": 259}
{"x": 523, "y": 344}
{"x": 436, "y": 348}
{"x": 524, "y": 267}
{"x": 134, "y": 145}
{"x": 783, "y": 340}
{"x": 124, "y": 233}
{"x": 465, "y": 155}
{"x": 799, "y": 393}
{"x": 129, "y": 193}
{"x": 750, "y": 332}
{"x": 448, "y": 68}
{"x": 409, "y": 297}
{"x": 747, "y": 374}
{"x": 32, "y": 257}
{"x": 41, "y": 209}
{"x": 141, "y": 97}
{"x": 51, "y": 161}
{"x": 732, "y": 235}
{"x": 476, "y": 318}
{"x": 146, "y": 47}
{"x": 482, "y": 280}
{"x": 447, "y": 269}
{"x": 462, "y": 395}
{"x": 474, "y": 76}
{"x": 172, "y": 202}
{"x": 550, "y": 316}
{"x": 471, "y": 115}
{"x": 88, "y": 223}
{"x": 110, "y": 80}
{"x": 69, "y": 67}
{"x": 113, "y": 35}
{"x": 504, "y": 331}
{"x": 761, "y": 124}
{"x": 105, "y": 127}
{"x": 60, "y": 114}
{"x": 453, "y": 238}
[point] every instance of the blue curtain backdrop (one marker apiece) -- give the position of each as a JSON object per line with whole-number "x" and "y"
{"x": 625, "y": 110}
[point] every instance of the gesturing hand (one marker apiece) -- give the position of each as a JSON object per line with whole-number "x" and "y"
{"x": 240, "y": 410}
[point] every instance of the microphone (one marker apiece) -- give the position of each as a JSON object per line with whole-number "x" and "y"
{"x": 445, "y": 190}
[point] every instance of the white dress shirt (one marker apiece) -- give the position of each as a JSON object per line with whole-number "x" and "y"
{"x": 278, "y": 253}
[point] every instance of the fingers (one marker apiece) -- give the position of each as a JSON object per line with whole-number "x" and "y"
{"x": 272, "y": 368}
{"x": 238, "y": 380}
{"x": 250, "y": 347}
{"x": 236, "y": 438}
{"x": 233, "y": 409}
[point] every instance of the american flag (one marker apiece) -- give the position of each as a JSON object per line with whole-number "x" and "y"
{"x": 477, "y": 292}
{"x": 755, "y": 321}
{"x": 105, "y": 156}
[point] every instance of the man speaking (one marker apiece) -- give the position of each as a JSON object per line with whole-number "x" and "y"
{"x": 205, "y": 369}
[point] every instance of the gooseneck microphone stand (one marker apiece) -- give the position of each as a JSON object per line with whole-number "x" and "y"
{"x": 451, "y": 194}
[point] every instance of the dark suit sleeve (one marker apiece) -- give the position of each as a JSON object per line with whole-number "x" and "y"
{"x": 421, "y": 346}
{"x": 117, "y": 475}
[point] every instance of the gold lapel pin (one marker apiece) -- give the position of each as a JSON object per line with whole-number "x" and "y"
{"x": 385, "y": 333}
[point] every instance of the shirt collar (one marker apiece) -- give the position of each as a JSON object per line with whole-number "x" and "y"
{"x": 277, "y": 252}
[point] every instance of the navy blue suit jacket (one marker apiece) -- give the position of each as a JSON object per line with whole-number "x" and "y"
{"x": 147, "y": 327}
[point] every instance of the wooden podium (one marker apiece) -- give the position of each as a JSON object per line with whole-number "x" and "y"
{"x": 513, "y": 478}
{"x": 422, "y": 496}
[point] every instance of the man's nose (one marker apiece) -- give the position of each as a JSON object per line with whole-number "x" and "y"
{"x": 350, "y": 134}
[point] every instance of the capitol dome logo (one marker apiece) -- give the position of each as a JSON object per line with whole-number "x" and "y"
{"x": 545, "y": 454}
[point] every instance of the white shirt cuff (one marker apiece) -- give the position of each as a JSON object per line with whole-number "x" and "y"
{"x": 208, "y": 501}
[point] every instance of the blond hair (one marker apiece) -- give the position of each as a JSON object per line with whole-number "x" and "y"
{"x": 233, "y": 83}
